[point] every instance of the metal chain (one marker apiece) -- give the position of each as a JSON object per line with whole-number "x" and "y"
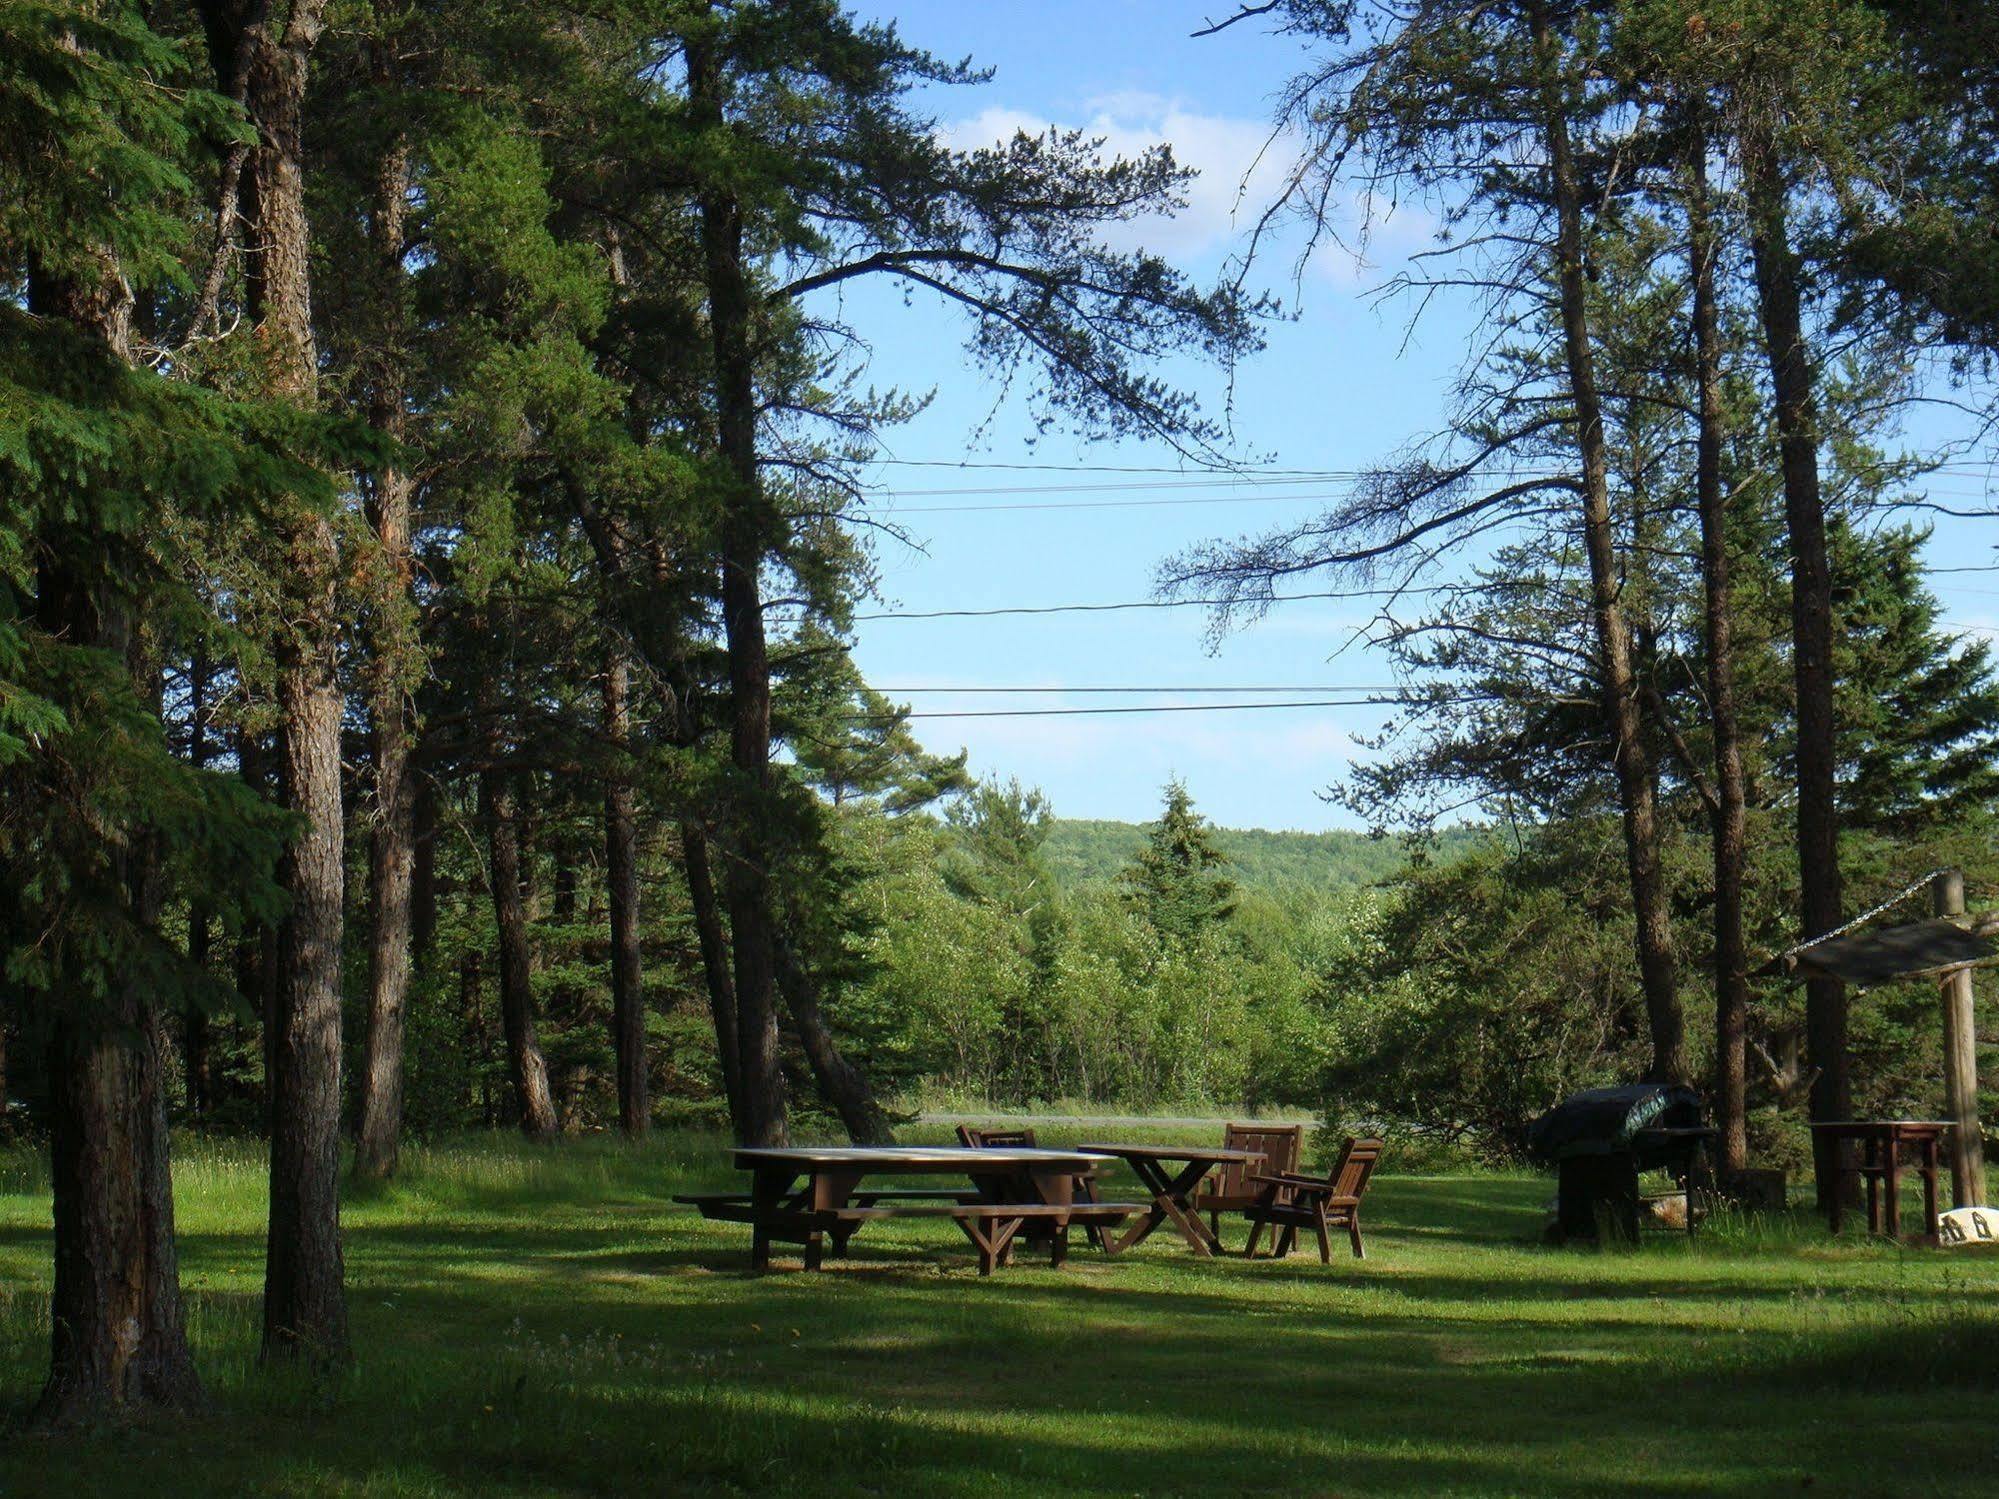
{"x": 1865, "y": 916}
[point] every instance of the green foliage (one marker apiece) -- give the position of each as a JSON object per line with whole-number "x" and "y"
{"x": 1285, "y": 867}
{"x": 99, "y": 126}
{"x": 1179, "y": 882}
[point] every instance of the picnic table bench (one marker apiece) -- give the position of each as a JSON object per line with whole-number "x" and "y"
{"x": 1011, "y": 1192}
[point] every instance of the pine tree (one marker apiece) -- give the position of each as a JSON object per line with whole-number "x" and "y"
{"x": 1178, "y": 880}
{"x": 105, "y": 466}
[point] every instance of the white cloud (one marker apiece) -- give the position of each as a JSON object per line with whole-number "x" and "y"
{"x": 1242, "y": 170}
{"x": 1238, "y": 176}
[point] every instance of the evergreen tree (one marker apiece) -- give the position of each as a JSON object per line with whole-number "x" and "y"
{"x": 1179, "y": 881}
{"x": 106, "y": 467}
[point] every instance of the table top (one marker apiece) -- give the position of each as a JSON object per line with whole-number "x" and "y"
{"x": 913, "y": 1158}
{"x": 1216, "y": 1153}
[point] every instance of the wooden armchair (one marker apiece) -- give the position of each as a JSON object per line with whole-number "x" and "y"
{"x": 1290, "y": 1202}
{"x": 1230, "y": 1187}
{"x": 998, "y": 1139}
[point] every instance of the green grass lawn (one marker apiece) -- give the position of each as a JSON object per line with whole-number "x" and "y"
{"x": 542, "y": 1322}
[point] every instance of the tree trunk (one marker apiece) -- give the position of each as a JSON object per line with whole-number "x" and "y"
{"x": 392, "y": 649}
{"x": 423, "y": 873}
{"x": 1780, "y": 303}
{"x": 752, "y": 925}
{"x": 1731, "y": 959}
{"x": 628, "y": 1014}
{"x": 1613, "y": 638}
{"x": 714, "y": 964}
{"x": 118, "y": 1342}
{"x": 194, "y": 1018}
{"x": 305, "y": 1305}
{"x": 840, "y": 1082}
{"x": 525, "y": 1062}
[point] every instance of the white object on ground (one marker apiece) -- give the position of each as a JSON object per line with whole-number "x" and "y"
{"x": 1965, "y": 1228}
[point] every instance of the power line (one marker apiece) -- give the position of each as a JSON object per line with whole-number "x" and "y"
{"x": 1290, "y": 598}
{"x": 1228, "y": 473}
{"x": 1208, "y": 499}
{"x": 1354, "y": 702}
{"x": 1064, "y": 691}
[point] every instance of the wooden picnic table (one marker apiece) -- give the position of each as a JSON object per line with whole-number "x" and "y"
{"x": 809, "y": 1194}
{"x": 1173, "y": 1189}
{"x": 1881, "y": 1142}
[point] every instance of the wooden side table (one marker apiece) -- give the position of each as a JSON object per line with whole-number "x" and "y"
{"x": 1881, "y": 1160}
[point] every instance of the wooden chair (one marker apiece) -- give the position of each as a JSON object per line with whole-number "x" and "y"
{"x": 1003, "y": 1139}
{"x": 1230, "y": 1188}
{"x": 997, "y": 1139}
{"x": 1291, "y": 1202}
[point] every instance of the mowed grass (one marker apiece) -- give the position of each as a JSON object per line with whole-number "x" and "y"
{"x": 534, "y": 1322}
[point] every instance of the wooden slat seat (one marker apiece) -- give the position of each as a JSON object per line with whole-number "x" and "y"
{"x": 1084, "y": 1183}
{"x": 873, "y": 1195}
{"x": 991, "y": 1226}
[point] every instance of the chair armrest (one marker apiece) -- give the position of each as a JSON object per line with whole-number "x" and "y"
{"x": 1291, "y": 1179}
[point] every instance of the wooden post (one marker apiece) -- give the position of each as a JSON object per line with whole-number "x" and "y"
{"x": 1960, "y": 1062}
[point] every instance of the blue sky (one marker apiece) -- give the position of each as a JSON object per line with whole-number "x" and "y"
{"x": 1340, "y": 386}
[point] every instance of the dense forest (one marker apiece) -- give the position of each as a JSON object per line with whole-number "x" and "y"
{"x": 1264, "y": 862}
{"x": 436, "y": 433}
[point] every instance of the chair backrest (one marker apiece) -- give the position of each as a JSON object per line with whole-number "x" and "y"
{"x": 1281, "y": 1145}
{"x": 981, "y": 1139}
{"x": 1356, "y": 1164}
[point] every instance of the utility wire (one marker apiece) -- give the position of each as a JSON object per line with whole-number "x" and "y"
{"x": 1385, "y": 590}
{"x": 1344, "y": 702}
{"x": 1059, "y": 691}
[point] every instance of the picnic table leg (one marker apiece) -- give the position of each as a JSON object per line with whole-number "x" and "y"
{"x": 1892, "y": 1186}
{"x": 1058, "y": 1246}
{"x": 1872, "y": 1157}
{"x": 768, "y": 1185}
{"x": 1931, "y": 1227}
{"x": 1179, "y": 1194}
{"x": 1169, "y": 1196}
{"x": 991, "y": 1238}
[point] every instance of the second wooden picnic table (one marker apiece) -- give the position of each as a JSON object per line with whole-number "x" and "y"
{"x": 1173, "y": 1187}
{"x": 1012, "y": 1189}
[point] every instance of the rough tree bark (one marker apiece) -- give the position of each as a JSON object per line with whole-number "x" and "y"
{"x": 194, "y": 1018}
{"x": 423, "y": 873}
{"x": 529, "y": 1069}
{"x": 1780, "y": 304}
{"x": 391, "y": 728}
{"x": 747, "y": 867}
{"x": 118, "y": 1342}
{"x": 1656, "y": 964}
{"x": 714, "y": 963}
{"x": 667, "y": 660}
{"x": 628, "y": 1016}
{"x": 840, "y": 1082}
{"x": 305, "y": 1304}
{"x": 1731, "y": 958}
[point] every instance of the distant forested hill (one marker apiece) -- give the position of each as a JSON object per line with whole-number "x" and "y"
{"x": 1082, "y": 851}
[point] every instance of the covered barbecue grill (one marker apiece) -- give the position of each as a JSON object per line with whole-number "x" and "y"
{"x": 1602, "y": 1139}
